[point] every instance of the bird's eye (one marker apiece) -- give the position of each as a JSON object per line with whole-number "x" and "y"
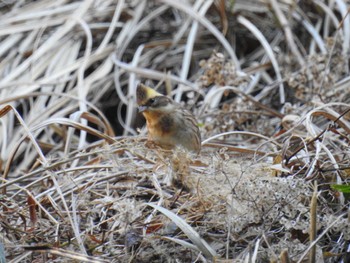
{"x": 152, "y": 100}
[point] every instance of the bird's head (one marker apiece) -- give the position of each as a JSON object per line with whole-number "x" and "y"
{"x": 150, "y": 100}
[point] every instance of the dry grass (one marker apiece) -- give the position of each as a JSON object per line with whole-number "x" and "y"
{"x": 73, "y": 191}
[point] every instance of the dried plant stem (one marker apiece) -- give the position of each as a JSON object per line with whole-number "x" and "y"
{"x": 313, "y": 223}
{"x": 287, "y": 31}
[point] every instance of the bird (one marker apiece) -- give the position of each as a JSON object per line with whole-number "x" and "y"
{"x": 169, "y": 124}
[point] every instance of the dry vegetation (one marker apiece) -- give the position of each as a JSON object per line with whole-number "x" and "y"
{"x": 78, "y": 183}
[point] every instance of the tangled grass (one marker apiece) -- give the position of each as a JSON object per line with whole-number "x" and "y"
{"x": 78, "y": 182}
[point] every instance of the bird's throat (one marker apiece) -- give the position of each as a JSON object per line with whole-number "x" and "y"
{"x": 158, "y": 124}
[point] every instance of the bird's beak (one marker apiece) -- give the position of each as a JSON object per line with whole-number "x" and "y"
{"x": 142, "y": 108}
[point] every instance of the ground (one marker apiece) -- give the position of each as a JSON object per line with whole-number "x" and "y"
{"x": 268, "y": 82}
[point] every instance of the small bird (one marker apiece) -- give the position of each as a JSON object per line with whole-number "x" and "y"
{"x": 168, "y": 123}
